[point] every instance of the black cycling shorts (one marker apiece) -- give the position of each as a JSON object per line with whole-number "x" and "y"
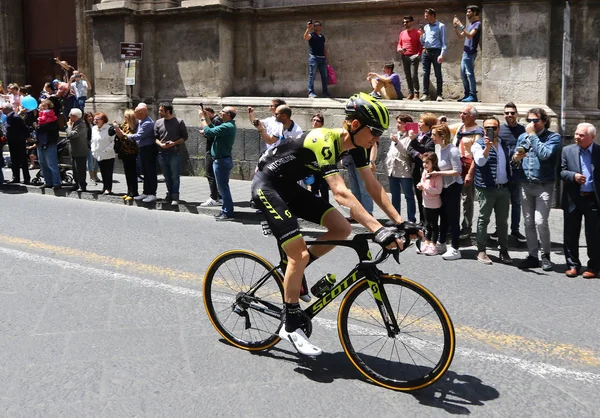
{"x": 282, "y": 203}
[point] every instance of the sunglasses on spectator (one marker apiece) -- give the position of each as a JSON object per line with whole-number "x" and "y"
{"x": 495, "y": 128}
{"x": 318, "y": 24}
{"x": 534, "y": 120}
{"x": 510, "y": 113}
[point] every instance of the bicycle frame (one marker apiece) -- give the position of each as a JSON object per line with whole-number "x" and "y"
{"x": 366, "y": 268}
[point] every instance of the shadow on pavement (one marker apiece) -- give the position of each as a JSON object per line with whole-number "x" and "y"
{"x": 453, "y": 392}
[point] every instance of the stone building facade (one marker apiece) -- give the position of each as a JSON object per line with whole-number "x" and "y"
{"x": 217, "y": 48}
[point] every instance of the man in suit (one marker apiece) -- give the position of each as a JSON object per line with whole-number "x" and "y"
{"x": 580, "y": 172}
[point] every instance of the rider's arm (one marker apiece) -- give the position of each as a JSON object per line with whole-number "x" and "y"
{"x": 344, "y": 197}
{"x": 379, "y": 195}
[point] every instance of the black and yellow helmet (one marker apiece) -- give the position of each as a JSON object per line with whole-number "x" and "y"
{"x": 368, "y": 110}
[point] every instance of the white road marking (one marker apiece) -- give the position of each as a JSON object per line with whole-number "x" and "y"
{"x": 539, "y": 369}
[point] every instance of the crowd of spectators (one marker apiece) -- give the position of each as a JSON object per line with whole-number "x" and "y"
{"x": 501, "y": 165}
{"x": 510, "y": 168}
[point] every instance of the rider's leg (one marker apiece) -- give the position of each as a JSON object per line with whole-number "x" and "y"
{"x": 338, "y": 228}
{"x": 297, "y": 258}
{"x": 297, "y": 255}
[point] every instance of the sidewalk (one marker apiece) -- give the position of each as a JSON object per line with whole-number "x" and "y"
{"x": 194, "y": 190}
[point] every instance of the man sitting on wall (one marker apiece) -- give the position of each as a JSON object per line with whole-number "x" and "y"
{"x": 386, "y": 85}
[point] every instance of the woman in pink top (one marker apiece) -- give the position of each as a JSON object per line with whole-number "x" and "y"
{"x": 432, "y": 187}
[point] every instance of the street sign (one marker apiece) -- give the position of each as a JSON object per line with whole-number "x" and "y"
{"x": 131, "y": 51}
{"x": 130, "y": 73}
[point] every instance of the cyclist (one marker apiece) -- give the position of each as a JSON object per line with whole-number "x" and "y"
{"x": 275, "y": 191}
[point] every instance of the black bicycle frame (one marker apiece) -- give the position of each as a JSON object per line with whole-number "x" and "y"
{"x": 364, "y": 269}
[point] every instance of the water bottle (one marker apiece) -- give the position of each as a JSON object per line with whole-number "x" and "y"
{"x": 266, "y": 229}
{"x": 324, "y": 285}
{"x": 309, "y": 180}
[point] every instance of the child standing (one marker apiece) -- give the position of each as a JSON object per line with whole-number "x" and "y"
{"x": 431, "y": 186}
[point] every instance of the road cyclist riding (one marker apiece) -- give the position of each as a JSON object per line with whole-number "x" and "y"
{"x": 394, "y": 331}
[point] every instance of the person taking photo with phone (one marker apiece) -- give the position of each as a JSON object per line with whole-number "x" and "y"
{"x": 317, "y": 58}
{"x": 492, "y": 174}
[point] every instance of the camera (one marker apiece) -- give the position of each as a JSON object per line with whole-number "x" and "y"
{"x": 202, "y": 106}
{"x": 309, "y": 21}
{"x": 256, "y": 122}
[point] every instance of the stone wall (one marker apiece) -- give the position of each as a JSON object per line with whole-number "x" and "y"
{"x": 12, "y": 59}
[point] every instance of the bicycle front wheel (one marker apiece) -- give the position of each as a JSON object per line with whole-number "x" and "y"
{"x": 411, "y": 359}
{"x": 243, "y": 297}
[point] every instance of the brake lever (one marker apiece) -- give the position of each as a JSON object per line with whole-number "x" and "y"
{"x": 396, "y": 251}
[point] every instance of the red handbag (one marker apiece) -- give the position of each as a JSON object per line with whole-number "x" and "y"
{"x": 331, "y": 77}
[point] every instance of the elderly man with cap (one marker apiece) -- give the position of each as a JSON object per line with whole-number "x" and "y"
{"x": 77, "y": 134}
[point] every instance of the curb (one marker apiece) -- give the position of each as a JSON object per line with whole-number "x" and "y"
{"x": 244, "y": 213}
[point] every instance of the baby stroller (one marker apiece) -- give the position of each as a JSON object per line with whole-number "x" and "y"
{"x": 66, "y": 178}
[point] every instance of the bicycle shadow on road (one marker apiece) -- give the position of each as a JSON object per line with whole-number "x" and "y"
{"x": 453, "y": 392}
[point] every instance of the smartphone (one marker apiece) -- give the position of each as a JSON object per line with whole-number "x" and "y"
{"x": 521, "y": 150}
{"x": 309, "y": 21}
{"x": 411, "y": 126}
{"x": 489, "y": 132}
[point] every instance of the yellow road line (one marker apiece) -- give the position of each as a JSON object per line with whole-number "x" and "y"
{"x": 91, "y": 257}
{"x": 498, "y": 340}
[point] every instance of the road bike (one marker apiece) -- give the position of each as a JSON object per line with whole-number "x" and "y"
{"x": 393, "y": 330}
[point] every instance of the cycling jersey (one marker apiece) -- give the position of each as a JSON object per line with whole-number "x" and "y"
{"x": 318, "y": 151}
{"x": 275, "y": 190}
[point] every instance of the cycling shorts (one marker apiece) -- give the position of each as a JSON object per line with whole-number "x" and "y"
{"x": 282, "y": 203}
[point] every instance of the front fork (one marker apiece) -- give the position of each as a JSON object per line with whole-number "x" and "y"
{"x": 383, "y": 303}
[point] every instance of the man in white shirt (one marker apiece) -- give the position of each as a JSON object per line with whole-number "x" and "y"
{"x": 286, "y": 127}
{"x": 270, "y": 124}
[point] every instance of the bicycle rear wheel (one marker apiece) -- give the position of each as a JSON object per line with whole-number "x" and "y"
{"x": 411, "y": 359}
{"x": 243, "y": 297}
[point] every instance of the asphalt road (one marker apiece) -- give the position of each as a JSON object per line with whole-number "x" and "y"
{"x": 101, "y": 314}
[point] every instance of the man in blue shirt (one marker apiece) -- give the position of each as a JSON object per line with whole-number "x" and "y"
{"x": 433, "y": 38}
{"x": 538, "y": 153}
{"x": 580, "y": 172}
{"x": 386, "y": 85}
{"x": 472, "y": 35}
{"x": 317, "y": 57}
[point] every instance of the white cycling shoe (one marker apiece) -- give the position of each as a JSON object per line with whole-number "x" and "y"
{"x": 300, "y": 342}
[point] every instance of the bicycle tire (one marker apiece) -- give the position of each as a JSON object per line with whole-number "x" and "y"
{"x": 228, "y": 278}
{"x": 426, "y": 334}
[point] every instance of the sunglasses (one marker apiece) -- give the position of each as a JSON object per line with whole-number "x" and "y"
{"x": 535, "y": 120}
{"x": 495, "y": 128}
{"x": 510, "y": 113}
{"x": 375, "y": 131}
{"x": 318, "y": 24}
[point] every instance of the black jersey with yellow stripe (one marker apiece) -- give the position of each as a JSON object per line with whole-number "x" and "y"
{"x": 318, "y": 151}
